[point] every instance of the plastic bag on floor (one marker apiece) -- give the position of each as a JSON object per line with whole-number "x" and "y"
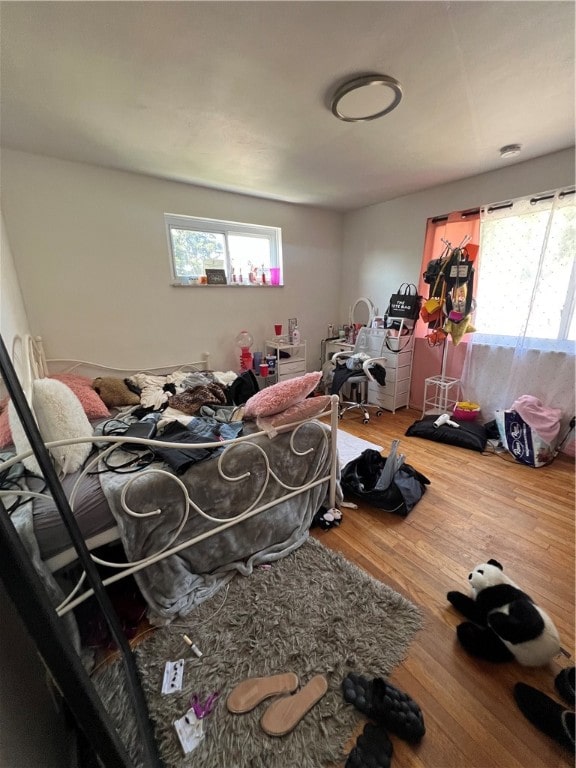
{"x": 523, "y": 442}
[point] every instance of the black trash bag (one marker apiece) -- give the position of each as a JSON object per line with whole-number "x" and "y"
{"x": 360, "y": 478}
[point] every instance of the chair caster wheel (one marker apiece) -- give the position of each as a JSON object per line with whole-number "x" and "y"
{"x": 379, "y": 413}
{"x": 365, "y": 421}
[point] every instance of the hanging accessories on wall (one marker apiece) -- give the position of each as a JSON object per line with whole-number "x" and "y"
{"x": 436, "y": 337}
{"x": 448, "y": 309}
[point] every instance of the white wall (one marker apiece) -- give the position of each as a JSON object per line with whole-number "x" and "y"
{"x": 30, "y": 731}
{"x": 91, "y": 250}
{"x": 91, "y": 254}
{"x": 13, "y": 318}
{"x": 383, "y": 243}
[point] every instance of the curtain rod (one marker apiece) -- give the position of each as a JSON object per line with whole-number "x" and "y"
{"x": 463, "y": 215}
{"x": 533, "y": 200}
{"x": 508, "y": 204}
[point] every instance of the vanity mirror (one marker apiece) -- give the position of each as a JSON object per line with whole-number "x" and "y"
{"x": 362, "y": 312}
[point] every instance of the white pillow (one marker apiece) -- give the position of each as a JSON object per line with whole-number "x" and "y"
{"x": 60, "y": 416}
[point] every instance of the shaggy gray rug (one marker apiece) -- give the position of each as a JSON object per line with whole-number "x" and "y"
{"x": 312, "y": 612}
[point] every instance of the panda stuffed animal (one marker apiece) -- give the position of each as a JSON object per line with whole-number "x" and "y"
{"x": 503, "y": 622}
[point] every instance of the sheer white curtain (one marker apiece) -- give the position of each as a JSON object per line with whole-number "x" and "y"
{"x": 525, "y": 316}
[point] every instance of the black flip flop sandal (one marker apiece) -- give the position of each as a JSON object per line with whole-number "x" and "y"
{"x": 373, "y": 749}
{"x": 386, "y": 704}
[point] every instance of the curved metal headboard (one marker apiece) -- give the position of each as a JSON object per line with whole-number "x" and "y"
{"x": 29, "y": 361}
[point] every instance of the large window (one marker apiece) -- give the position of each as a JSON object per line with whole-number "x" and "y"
{"x": 248, "y": 254}
{"x": 527, "y": 273}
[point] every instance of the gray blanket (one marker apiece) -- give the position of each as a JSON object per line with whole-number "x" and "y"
{"x": 23, "y": 521}
{"x": 174, "y": 586}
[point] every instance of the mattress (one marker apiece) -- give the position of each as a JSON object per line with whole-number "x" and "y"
{"x": 91, "y": 512}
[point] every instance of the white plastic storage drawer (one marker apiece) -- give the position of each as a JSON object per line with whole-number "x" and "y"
{"x": 376, "y": 393}
{"x": 391, "y": 402}
{"x": 397, "y": 374}
{"x": 395, "y": 343}
{"x": 296, "y": 368}
{"x": 401, "y": 360}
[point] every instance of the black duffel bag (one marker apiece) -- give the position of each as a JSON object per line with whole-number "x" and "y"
{"x": 361, "y": 478}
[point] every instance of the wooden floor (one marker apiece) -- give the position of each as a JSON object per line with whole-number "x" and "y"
{"x": 477, "y": 507}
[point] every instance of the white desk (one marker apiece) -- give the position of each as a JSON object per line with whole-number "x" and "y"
{"x": 332, "y": 346}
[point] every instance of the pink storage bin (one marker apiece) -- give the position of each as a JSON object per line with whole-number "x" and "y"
{"x": 465, "y": 414}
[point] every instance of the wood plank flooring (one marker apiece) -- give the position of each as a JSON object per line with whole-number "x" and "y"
{"x": 477, "y": 507}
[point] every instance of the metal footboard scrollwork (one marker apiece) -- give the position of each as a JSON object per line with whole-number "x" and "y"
{"x": 189, "y": 506}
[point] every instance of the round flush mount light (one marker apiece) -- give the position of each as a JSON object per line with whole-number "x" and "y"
{"x": 366, "y": 98}
{"x": 510, "y": 150}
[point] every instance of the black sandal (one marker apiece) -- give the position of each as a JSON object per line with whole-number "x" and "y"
{"x": 386, "y": 704}
{"x": 547, "y": 715}
{"x": 373, "y": 749}
{"x": 565, "y": 685}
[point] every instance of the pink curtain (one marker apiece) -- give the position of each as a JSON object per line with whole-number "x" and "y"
{"x": 427, "y": 360}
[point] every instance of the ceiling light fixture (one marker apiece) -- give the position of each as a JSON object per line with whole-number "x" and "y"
{"x": 510, "y": 150}
{"x": 366, "y": 98}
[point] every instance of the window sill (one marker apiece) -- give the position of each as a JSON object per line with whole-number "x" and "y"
{"x": 223, "y": 285}
{"x": 528, "y": 343}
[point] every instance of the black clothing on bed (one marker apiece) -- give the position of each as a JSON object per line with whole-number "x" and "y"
{"x": 181, "y": 459}
{"x": 242, "y": 388}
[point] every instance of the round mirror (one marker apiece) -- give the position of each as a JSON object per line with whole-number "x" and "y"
{"x": 363, "y": 312}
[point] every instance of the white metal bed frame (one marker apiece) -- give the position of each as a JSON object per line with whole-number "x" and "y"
{"x": 30, "y": 363}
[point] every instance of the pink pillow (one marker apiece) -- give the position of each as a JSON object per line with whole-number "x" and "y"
{"x": 280, "y": 396}
{"x": 93, "y": 405}
{"x": 306, "y": 409}
{"x": 5, "y": 431}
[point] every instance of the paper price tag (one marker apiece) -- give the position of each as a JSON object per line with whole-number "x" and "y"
{"x": 190, "y": 731}
{"x": 173, "y": 677}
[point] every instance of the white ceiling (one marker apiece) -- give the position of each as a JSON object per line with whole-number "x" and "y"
{"x": 234, "y": 95}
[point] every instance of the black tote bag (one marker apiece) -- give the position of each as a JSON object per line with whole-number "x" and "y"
{"x": 405, "y": 302}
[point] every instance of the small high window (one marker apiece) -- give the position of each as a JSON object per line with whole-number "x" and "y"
{"x": 224, "y": 252}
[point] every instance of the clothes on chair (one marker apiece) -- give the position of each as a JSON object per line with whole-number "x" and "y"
{"x": 379, "y": 373}
{"x": 342, "y": 373}
{"x": 355, "y": 361}
{"x": 357, "y": 368}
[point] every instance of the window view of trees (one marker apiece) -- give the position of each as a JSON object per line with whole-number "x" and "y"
{"x": 246, "y": 252}
{"x": 193, "y": 251}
